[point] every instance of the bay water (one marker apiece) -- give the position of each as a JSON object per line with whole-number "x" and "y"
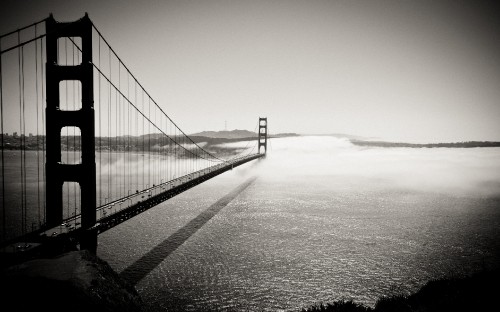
{"x": 318, "y": 220}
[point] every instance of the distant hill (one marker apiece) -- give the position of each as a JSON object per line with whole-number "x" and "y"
{"x": 226, "y": 134}
{"x": 238, "y": 134}
{"x": 342, "y": 135}
{"x": 468, "y": 144}
{"x": 283, "y": 135}
{"x": 146, "y": 142}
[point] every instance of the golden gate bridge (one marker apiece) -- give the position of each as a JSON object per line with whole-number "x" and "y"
{"x": 84, "y": 146}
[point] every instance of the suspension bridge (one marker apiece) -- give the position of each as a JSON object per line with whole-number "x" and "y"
{"x": 84, "y": 146}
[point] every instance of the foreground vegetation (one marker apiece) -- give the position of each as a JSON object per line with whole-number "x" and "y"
{"x": 478, "y": 292}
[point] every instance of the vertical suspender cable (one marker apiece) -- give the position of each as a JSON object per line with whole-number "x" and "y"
{"x": 117, "y": 140}
{"x": 4, "y": 232}
{"x": 127, "y": 158}
{"x": 37, "y": 134}
{"x": 136, "y": 145}
{"x": 74, "y": 131}
{"x": 116, "y": 172}
{"x": 67, "y": 128}
{"x": 143, "y": 137}
{"x": 177, "y": 157}
{"x": 149, "y": 142}
{"x": 169, "y": 154}
{"x": 109, "y": 128}
{"x": 21, "y": 124}
{"x": 130, "y": 161}
{"x": 20, "y": 127}
{"x": 43, "y": 127}
{"x": 100, "y": 124}
{"x": 24, "y": 149}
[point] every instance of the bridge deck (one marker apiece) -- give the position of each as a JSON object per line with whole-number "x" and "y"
{"x": 119, "y": 211}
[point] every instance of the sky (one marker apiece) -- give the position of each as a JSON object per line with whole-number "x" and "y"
{"x": 415, "y": 71}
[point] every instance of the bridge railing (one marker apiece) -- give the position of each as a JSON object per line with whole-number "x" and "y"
{"x": 136, "y": 203}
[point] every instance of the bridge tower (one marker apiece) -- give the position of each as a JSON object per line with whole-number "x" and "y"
{"x": 263, "y": 134}
{"x": 57, "y": 172}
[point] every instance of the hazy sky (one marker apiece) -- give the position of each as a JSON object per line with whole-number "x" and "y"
{"x": 398, "y": 70}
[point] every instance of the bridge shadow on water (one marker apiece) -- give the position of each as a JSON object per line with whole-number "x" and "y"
{"x": 142, "y": 267}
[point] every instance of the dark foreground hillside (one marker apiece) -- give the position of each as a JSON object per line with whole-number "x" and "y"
{"x": 76, "y": 281}
{"x": 478, "y": 292}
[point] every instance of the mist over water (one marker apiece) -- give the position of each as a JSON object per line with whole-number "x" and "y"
{"x": 324, "y": 220}
{"x": 456, "y": 171}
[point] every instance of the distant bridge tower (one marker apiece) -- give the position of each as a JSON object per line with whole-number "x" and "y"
{"x": 57, "y": 172}
{"x": 263, "y": 134}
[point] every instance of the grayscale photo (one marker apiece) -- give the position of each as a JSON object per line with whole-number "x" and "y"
{"x": 250, "y": 155}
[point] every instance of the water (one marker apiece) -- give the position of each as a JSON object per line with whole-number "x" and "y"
{"x": 118, "y": 175}
{"x": 324, "y": 220}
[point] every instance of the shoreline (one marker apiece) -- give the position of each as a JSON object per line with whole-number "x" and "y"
{"x": 469, "y": 144}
